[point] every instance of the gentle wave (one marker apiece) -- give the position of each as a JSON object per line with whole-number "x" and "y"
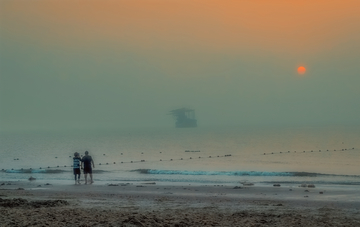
{"x": 330, "y": 182}
{"x": 235, "y": 173}
{"x": 35, "y": 171}
{"x": 223, "y": 181}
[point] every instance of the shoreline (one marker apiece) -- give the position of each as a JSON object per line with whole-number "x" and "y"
{"x": 141, "y": 204}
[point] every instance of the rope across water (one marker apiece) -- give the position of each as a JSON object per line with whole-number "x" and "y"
{"x": 122, "y": 162}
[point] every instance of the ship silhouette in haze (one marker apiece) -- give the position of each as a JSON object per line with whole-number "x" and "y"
{"x": 185, "y": 118}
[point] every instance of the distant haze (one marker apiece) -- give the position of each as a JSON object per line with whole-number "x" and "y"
{"x": 114, "y": 64}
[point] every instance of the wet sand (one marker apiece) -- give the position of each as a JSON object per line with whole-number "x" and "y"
{"x": 24, "y": 203}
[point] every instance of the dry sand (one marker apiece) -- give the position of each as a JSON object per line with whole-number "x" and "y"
{"x": 38, "y": 204}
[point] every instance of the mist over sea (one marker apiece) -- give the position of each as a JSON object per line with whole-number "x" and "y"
{"x": 204, "y": 155}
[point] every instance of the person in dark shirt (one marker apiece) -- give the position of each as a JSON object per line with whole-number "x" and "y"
{"x": 86, "y": 163}
{"x": 76, "y": 166}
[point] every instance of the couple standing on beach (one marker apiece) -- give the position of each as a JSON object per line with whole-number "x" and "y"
{"x": 86, "y": 162}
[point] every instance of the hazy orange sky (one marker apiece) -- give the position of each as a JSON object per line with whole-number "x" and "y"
{"x": 230, "y": 60}
{"x": 290, "y": 26}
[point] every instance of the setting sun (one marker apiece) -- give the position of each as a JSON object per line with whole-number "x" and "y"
{"x": 301, "y": 70}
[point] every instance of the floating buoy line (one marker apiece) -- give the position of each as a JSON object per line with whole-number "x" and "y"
{"x": 179, "y": 159}
{"x": 113, "y": 163}
{"x": 309, "y": 151}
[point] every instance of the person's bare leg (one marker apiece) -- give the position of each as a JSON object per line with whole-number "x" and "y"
{"x": 91, "y": 179}
{"x": 85, "y": 178}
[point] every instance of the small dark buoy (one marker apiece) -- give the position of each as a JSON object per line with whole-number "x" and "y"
{"x": 288, "y": 151}
{"x": 69, "y": 156}
{"x": 40, "y": 167}
{"x": 107, "y": 163}
{"x": 114, "y": 162}
{"x": 131, "y": 161}
{"x": 99, "y": 164}
{"x": 280, "y": 152}
{"x": 209, "y": 156}
{"x": 190, "y": 157}
{"x": 122, "y": 162}
{"x": 353, "y": 148}
{"x": 160, "y": 152}
{"x": 319, "y": 150}
{"x": 104, "y": 154}
{"x": 304, "y": 151}
{"x": 295, "y": 151}
{"x": 199, "y": 157}
{"x": 218, "y": 156}
{"x": 121, "y": 153}
{"x": 327, "y": 150}
{"x": 22, "y": 169}
{"x": 334, "y": 150}
{"x": 160, "y": 160}
{"x": 142, "y": 152}
{"x": 181, "y": 159}
{"x": 30, "y": 168}
{"x": 272, "y": 152}
{"x": 264, "y": 154}
{"x": 64, "y": 166}
{"x": 48, "y": 167}
{"x": 57, "y": 166}
{"x": 170, "y": 159}
{"x": 55, "y": 157}
{"x": 12, "y": 169}
{"x": 311, "y": 150}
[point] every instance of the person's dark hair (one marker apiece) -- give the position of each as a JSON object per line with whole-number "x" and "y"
{"x": 86, "y": 152}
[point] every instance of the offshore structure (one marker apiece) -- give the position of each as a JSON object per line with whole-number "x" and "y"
{"x": 185, "y": 118}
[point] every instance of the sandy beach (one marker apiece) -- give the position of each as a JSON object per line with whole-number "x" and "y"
{"x": 24, "y": 203}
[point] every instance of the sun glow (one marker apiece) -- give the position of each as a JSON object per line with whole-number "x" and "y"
{"x": 301, "y": 70}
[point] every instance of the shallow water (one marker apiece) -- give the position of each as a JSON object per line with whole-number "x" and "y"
{"x": 214, "y": 155}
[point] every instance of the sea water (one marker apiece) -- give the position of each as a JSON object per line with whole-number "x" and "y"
{"x": 204, "y": 155}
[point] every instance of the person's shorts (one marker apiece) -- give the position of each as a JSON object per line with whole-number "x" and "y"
{"x": 77, "y": 171}
{"x": 87, "y": 170}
